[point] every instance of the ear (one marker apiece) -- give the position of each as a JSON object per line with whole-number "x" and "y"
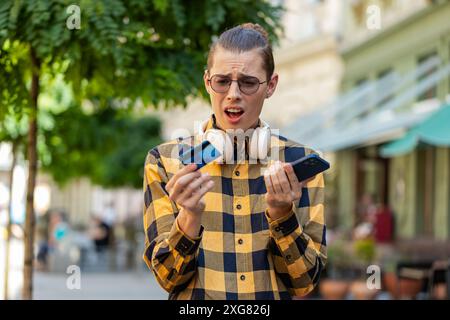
{"x": 272, "y": 85}
{"x": 206, "y": 82}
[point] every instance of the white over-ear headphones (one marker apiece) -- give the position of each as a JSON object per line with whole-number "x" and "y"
{"x": 259, "y": 142}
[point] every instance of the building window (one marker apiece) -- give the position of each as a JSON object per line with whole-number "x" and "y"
{"x": 431, "y": 92}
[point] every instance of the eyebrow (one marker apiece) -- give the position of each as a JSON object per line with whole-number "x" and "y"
{"x": 239, "y": 74}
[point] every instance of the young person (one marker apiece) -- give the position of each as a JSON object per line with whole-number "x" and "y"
{"x": 235, "y": 229}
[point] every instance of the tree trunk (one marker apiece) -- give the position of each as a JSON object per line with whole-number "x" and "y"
{"x": 8, "y": 226}
{"x": 27, "y": 291}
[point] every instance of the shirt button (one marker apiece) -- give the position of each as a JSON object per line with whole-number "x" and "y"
{"x": 288, "y": 257}
{"x": 242, "y": 277}
{"x": 277, "y": 229}
{"x": 237, "y": 173}
{"x": 240, "y": 241}
{"x": 238, "y": 207}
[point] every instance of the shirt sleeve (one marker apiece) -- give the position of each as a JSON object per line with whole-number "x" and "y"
{"x": 299, "y": 249}
{"x": 169, "y": 252}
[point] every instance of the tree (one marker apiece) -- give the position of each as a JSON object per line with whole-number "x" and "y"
{"x": 153, "y": 50}
{"x": 15, "y": 145}
{"x": 109, "y": 152}
{"x": 124, "y": 166}
{"x": 12, "y": 130}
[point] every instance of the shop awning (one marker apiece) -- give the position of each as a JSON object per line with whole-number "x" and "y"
{"x": 435, "y": 131}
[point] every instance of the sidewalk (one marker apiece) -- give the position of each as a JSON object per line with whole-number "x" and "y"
{"x": 103, "y": 286}
{"x": 94, "y": 285}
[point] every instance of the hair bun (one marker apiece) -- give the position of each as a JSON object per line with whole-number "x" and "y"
{"x": 256, "y": 27}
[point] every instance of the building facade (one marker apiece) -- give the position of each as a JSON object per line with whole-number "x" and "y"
{"x": 395, "y": 79}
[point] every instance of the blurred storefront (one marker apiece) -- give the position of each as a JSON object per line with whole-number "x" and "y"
{"x": 396, "y": 81}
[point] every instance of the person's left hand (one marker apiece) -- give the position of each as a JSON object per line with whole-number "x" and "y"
{"x": 283, "y": 188}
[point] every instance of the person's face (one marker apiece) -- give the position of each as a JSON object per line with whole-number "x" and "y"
{"x": 238, "y": 65}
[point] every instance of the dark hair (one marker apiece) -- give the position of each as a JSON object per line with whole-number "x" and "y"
{"x": 246, "y": 37}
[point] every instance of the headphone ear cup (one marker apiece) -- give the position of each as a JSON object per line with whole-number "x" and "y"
{"x": 263, "y": 142}
{"x": 253, "y": 144}
{"x": 222, "y": 142}
{"x": 229, "y": 149}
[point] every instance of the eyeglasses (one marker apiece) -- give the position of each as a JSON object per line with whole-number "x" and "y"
{"x": 247, "y": 84}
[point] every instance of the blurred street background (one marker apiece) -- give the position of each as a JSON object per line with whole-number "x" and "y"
{"x": 130, "y": 284}
{"x": 365, "y": 82}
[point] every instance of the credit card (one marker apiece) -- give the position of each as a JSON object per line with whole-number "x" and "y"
{"x": 201, "y": 154}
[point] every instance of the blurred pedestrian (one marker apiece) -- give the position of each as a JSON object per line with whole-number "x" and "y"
{"x": 109, "y": 214}
{"x": 365, "y": 217}
{"x": 100, "y": 233}
{"x": 43, "y": 236}
{"x": 384, "y": 225}
{"x": 52, "y": 230}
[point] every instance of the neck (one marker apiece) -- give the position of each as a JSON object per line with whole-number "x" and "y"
{"x": 216, "y": 125}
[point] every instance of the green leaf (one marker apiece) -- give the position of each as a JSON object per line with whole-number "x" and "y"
{"x": 161, "y": 5}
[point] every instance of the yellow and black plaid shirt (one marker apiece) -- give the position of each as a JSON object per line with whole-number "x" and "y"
{"x": 240, "y": 252}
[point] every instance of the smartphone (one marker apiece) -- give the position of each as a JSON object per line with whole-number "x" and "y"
{"x": 201, "y": 154}
{"x": 308, "y": 166}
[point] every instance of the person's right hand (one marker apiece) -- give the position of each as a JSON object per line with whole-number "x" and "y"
{"x": 187, "y": 188}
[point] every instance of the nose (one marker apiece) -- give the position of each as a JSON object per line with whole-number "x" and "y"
{"x": 234, "y": 92}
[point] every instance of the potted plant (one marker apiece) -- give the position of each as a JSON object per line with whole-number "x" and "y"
{"x": 390, "y": 279}
{"x": 401, "y": 284}
{"x": 365, "y": 252}
{"x": 335, "y": 284}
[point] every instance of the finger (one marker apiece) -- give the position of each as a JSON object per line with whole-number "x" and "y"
{"x": 182, "y": 183}
{"x": 275, "y": 181}
{"x": 282, "y": 178}
{"x": 185, "y": 180}
{"x": 193, "y": 186}
{"x": 296, "y": 187}
{"x": 185, "y": 170}
{"x": 199, "y": 193}
{"x": 268, "y": 182}
{"x": 295, "y": 184}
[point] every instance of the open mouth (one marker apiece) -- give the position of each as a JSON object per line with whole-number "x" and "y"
{"x": 234, "y": 113}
